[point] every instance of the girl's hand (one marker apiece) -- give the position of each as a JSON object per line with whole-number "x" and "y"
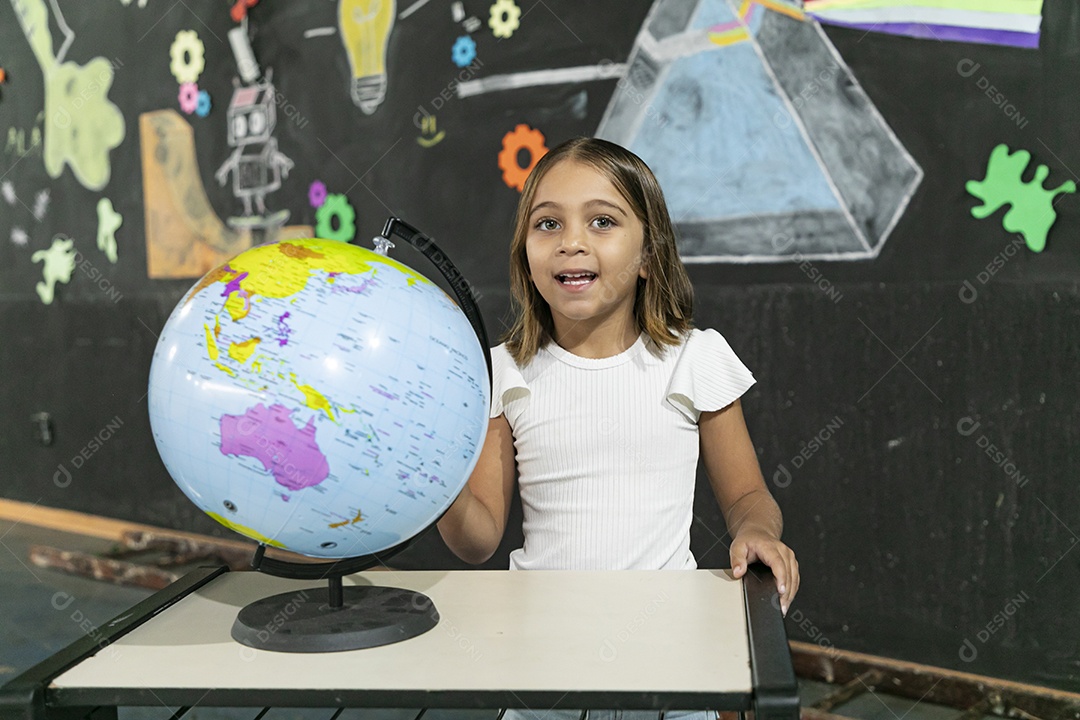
{"x": 753, "y": 545}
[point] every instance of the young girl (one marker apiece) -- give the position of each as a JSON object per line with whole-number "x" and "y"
{"x": 604, "y": 395}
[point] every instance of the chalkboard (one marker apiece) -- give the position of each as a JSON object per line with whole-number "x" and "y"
{"x": 911, "y": 413}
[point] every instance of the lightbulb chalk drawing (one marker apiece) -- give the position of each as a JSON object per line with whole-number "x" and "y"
{"x": 365, "y": 27}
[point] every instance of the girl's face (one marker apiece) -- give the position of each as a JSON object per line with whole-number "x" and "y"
{"x": 584, "y": 246}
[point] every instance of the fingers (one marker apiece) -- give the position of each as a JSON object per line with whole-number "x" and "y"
{"x": 786, "y": 569}
{"x": 739, "y": 558}
{"x": 795, "y": 579}
{"x": 781, "y": 560}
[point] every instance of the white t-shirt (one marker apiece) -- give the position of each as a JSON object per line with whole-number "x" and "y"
{"x": 607, "y": 449}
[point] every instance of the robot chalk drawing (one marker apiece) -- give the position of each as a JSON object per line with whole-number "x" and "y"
{"x": 256, "y": 164}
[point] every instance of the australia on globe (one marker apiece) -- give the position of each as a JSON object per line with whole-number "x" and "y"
{"x": 319, "y": 397}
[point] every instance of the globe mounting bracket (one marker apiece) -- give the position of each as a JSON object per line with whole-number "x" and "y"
{"x": 463, "y": 291}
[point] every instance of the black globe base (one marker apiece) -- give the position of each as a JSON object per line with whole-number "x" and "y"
{"x": 350, "y": 618}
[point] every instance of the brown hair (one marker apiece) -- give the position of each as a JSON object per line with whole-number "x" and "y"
{"x": 663, "y": 305}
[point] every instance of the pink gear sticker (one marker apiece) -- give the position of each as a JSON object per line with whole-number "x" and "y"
{"x": 317, "y": 193}
{"x": 189, "y": 97}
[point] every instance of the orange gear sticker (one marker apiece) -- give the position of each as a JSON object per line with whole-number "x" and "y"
{"x": 522, "y": 138}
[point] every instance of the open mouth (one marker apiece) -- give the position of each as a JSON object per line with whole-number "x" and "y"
{"x": 577, "y": 279}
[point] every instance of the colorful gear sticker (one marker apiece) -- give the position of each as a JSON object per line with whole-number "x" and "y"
{"x": 464, "y": 51}
{"x": 189, "y": 97}
{"x": 203, "y": 105}
{"x": 316, "y": 194}
{"x": 522, "y": 138}
{"x": 335, "y": 206}
{"x": 505, "y": 18}
{"x": 187, "y": 54}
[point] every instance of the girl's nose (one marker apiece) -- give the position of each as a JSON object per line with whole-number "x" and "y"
{"x": 573, "y": 241}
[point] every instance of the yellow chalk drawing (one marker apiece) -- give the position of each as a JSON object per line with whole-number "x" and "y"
{"x": 81, "y": 124}
{"x": 108, "y": 222}
{"x": 185, "y": 238}
{"x": 365, "y": 27}
{"x": 241, "y": 351}
{"x": 359, "y": 517}
{"x": 313, "y": 398}
{"x": 16, "y": 139}
{"x": 244, "y": 530}
{"x": 211, "y": 343}
{"x": 59, "y": 263}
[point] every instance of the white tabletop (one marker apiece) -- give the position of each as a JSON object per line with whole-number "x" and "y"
{"x": 661, "y": 631}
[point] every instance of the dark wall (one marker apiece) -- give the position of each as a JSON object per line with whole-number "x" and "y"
{"x": 881, "y": 386}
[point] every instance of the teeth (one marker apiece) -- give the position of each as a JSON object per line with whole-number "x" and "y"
{"x": 577, "y": 278}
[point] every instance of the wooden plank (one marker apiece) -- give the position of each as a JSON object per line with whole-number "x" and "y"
{"x": 866, "y": 681}
{"x": 142, "y": 559}
{"x": 809, "y": 713}
{"x": 933, "y": 684}
{"x": 126, "y": 533}
{"x": 118, "y": 572}
{"x": 78, "y": 523}
{"x": 976, "y": 711}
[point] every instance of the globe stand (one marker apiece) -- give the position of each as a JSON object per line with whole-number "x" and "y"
{"x": 351, "y": 618}
{"x": 344, "y": 618}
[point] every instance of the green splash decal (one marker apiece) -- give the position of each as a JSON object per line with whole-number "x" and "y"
{"x": 1032, "y": 206}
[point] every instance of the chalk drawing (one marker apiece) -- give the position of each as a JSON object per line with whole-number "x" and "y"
{"x": 766, "y": 146}
{"x": 365, "y": 27}
{"x": 256, "y": 165}
{"x": 59, "y": 263}
{"x": 81, "y": 124}
{"x": 185, "y": 238}
{"x": 109, "y": 222}
{"x": 995, "y": 22}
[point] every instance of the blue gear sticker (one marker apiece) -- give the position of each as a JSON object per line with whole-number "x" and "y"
{"x": 464, "y": 51}
{"x": 202, "y": 105}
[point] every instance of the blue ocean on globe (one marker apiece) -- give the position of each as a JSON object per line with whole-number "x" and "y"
{"x": 319, "y": 397}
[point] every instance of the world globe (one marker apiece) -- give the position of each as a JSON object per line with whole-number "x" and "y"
{"x": 319, "y": 397}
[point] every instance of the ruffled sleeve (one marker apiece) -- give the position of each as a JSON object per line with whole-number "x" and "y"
{"x": 508, "y": 384}
{"x": 708, "y": 375}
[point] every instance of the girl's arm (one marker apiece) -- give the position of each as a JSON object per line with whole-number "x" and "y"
{"x": 752, "y": 516}
{"x": 473, "y": 526}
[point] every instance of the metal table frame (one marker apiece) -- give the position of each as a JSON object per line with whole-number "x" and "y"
{"x": 30, "y": 696}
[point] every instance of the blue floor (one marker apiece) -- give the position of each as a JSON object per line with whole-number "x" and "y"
{"x": 42, "y": 611}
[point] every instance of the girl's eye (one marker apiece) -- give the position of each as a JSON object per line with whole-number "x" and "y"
{"x": 603, "y": 222}
{"x": 547, "y": 224}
